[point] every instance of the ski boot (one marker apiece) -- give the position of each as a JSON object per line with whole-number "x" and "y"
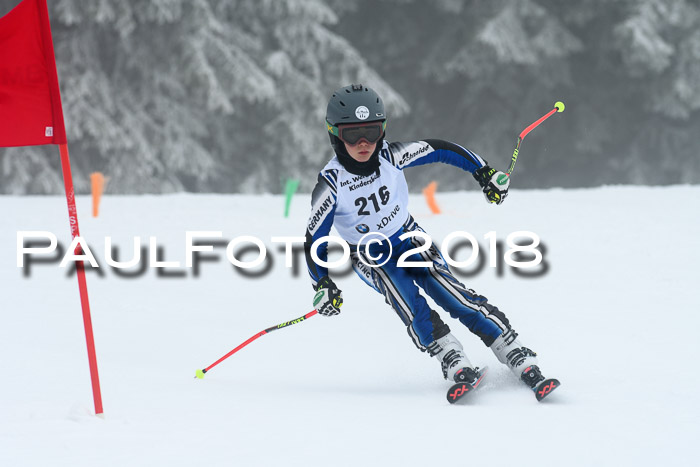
{"x": 456, "y": 367}
{"x": 541, "y": 386}
{"x": 449, "y": 351}
{"x": 523, "y": 363}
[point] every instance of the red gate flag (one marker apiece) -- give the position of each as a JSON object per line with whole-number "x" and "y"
{"x": 31, "y": 114}
{"x": 30, "y": 101}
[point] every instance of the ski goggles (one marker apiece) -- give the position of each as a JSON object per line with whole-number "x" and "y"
{"x": 352, "y": 133}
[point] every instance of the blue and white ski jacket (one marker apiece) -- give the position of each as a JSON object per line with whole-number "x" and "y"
{"x": 359, "y": 204}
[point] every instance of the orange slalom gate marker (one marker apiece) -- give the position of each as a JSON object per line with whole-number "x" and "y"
{"x": 97, "y": 180}
{"x": 429, "y": 193}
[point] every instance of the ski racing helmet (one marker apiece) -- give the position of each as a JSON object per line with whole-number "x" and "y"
{"x": 356, "y": 112}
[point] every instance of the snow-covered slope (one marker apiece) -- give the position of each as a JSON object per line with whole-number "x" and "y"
{"x": 615, "y": 318}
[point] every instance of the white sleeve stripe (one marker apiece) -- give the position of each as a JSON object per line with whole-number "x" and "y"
{"x": 475, "y": 156}
{"x": 331, "y": 183}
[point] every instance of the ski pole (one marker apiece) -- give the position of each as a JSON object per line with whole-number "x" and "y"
{"x": 200, "y": 373}
{"x": 558, "y": 107}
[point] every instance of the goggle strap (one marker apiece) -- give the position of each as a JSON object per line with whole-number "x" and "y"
{"x": 332, "y": 129}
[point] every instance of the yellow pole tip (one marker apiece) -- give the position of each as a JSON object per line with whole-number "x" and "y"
{"x": 559, "y": 106}
{"x": 199, "y": 374}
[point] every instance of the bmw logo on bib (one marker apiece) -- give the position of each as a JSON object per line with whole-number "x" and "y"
{"x": 362, "y": 228}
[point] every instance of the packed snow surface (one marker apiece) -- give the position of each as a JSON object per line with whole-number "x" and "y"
{"x": 615, "y": 316}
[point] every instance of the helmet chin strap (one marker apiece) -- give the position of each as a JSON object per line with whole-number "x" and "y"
{"x": 351, "y": 165}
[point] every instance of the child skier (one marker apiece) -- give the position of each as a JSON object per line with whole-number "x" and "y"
{"x": 362, "y": 190}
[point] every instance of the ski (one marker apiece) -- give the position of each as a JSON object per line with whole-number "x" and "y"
{"x": 545, "y": 388}
{"x": 459, "y": 390}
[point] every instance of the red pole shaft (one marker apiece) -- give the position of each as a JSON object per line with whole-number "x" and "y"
{"x": 536, "y": 124}
{"x": 527, "y": 130}
{"x": 261, "y": 333}
{"x": 82, "y": 283}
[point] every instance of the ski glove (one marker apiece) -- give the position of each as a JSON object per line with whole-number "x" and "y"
{"x": 494, "y": 183}
{"x": 328, "y": 298}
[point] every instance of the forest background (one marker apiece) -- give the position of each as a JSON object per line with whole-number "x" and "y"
{"x": 229, "y": 96}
